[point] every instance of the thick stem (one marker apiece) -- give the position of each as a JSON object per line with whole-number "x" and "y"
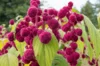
{"x": 43, "y": 27}
{"x": 36, "y": 21}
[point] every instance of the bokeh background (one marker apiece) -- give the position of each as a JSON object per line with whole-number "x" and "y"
{"x": 9, "y": 9}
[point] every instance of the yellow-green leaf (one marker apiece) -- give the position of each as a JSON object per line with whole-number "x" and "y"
{"x": 45, "y": 53}
{"x": 20, "y": 46}
{"x": 85, "y": 37}
{"x": 98, "y": 18}
{"x": 94, "y": 36}
{"x": 59, "y": 61}
{"x": 8, "y": 60}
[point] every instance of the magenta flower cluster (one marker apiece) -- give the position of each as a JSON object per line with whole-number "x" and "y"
{"x": 70, "y": 54}
{"x": 37, "y": 22}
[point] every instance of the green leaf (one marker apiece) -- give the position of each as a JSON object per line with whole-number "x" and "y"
{"x": 94, "y": 36}
{"x": 45, "y": 53}
{"x": 85, "y": 37}
{"x": 20, "y": 46}
{"x": 13, "y": 51}
{"x": 80, "y": 45}
{"x": 75, "y": 10}
{"x": 98, "y": 18}
{"x": 59, "y": 61}
{"x": 8, "y": 60}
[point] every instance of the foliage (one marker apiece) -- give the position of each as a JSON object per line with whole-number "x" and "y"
{"x": 50, "y": 38}
{"x": 12, "y": 8}
{"x": 89, "y": 10}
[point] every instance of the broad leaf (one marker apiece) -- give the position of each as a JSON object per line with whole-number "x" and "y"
{"x": 80, "y": 45}
{"x": 94, "y": 35}
{"x": 85, "y": 37}
{"x": 98, "y": 18}
{"x": 20, "y": 46}
{"x": 9, "y": 59}
{"x": 59, "y": 61}
{"x": 13, "y": 51}
{"x": 45, "y": 53}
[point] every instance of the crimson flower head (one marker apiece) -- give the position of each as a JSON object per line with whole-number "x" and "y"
{"x": 10, "y": 36}
{"x": 28, "y": 40}
{"x": 34, "y": 63}
{"x": 80, "y": 17}
{"x": 73, "y": 18}
{"x": 32, "y": 11}
{"x": 69, "y": 51}
{"x": 73, "y": 45}
{"x": 76, "y": 55}
{"x": 35, "y": 3}
{"x": 66, "y": 27}
{"x": 39, "y": 12}
{"x": 28, "y": 56}
{"x": 70, "y": 4}
{"x": 62, "y": 13}
{"x": 70, "y": 59}
{"x": 27, "y": 18}
{"x": 67, "y": 37}
{"x": 45, "y": 37}
{"x": 52, "y": 12}
{"x": 24, "y": 32}
{"x": 11, "y": 22}
{"x": 74, "y": 37}
{"x": 53, "y": 24}
{"x": 78, "y": 31}
{"x": 45, "y": 16}
{"x": 19, "y": 37}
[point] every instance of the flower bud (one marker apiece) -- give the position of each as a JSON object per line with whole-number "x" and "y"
{"x": 45, "y": 37}
{"x": 27, "y": 19}
{"x": 24, "y": 32}
{"x": 69, "y": 51}
{"x": 32, "y": 11}
{"x": 67, "y": 37}
{"x": 66, "y": 27}
{"x": 19, "y": 37}
{"x": 70, "y": 4}
{"x": 76, "y": 55}
{"x": 79, "y": 17}
{"x": 73, "y": 45}
{"x": 73, "y": 19}
{"x": 62, "y": 13}
{"x": 78, "y": 32}
{"x": 53, "y": 24}
{"x": 28, "y": 56}
{"x": 11, "y": 22}
{"x": 74, "y": 37}
{"x": 10, "y": 36}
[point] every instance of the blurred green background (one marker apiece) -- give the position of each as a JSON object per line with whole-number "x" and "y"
{"x": 11, "y": 8}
